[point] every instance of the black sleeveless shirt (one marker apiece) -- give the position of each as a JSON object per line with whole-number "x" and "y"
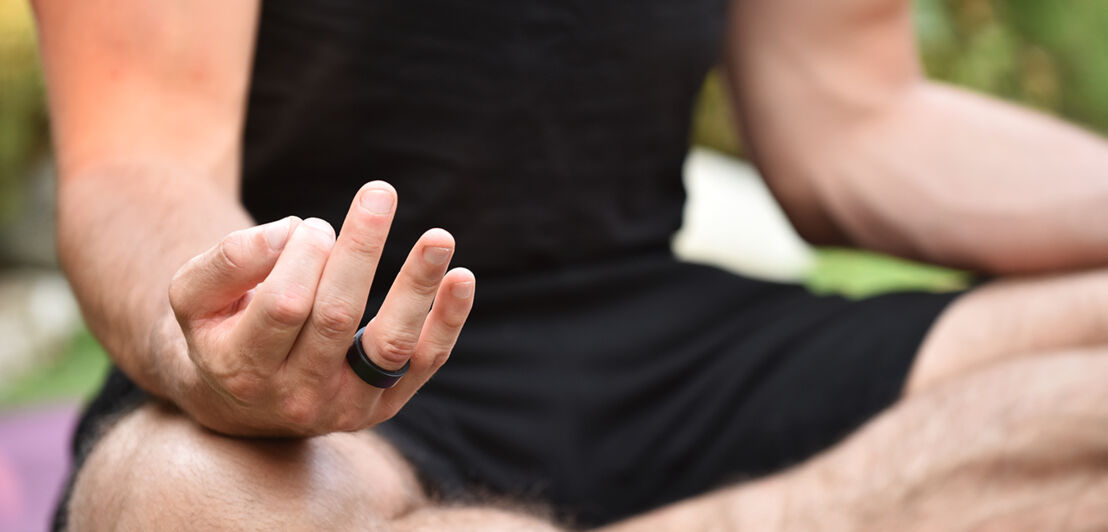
{"x": 548, "y": 136}
{"x": 541, "y": 133}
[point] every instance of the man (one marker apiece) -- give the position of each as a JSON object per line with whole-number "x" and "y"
{"x": 597, "y": 377}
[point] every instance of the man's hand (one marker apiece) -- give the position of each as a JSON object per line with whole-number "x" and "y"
{"x": 147, "y": 106}
{"x": 269, "y": 313}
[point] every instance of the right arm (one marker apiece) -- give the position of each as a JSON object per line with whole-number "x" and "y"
{"x": 147, "y": 105}
{"x": 248, "y": 337}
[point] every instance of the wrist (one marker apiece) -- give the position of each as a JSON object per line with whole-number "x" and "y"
{"x": 172, "y": 376}
{"x": 169, "y": 368}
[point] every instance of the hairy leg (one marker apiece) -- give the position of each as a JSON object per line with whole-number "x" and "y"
{"x": 157, "y": 470}
{"x": 913, "y": 449}
{"x": 997, "y": 412}
{"x": 1011, "y": 318}
{"x": 1021, "y": 446}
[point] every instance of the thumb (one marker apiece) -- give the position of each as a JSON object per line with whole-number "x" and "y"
{"x": 221, "y": 275}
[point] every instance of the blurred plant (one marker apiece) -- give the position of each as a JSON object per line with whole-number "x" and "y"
{"x": 23, "y": 130}
{"x": 1052, "y": 56}
{"x": 1049, "y": 55}
{"x": 713, "y": 119}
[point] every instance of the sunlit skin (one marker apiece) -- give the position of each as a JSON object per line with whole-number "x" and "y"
{"x": 241, "y": 328}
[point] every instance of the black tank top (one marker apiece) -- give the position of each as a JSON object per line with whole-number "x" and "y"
{"x": 541, "y": 133}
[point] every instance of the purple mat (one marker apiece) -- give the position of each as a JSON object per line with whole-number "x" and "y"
{"x": 34, "y": 459}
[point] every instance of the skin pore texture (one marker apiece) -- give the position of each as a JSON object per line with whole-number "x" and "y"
{"x": 1000, "y": 428}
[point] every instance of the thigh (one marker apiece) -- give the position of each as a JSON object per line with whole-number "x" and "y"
{"x": 154, "y": 469}
{"x": 1014, "y": 318}
{"x": 614, "y": 390}
{"x": 1019, "y": 445}
{"x": 810, "y": 371}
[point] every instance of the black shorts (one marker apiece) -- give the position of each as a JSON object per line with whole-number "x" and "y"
{"x": 607, "y": 390}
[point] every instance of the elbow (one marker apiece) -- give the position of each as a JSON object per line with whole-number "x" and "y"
{"x": 799, "y": 196}
{"x": 814, "y": 226}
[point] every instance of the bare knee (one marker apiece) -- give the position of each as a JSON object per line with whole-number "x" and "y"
{"x": 156, "y": 470}
{"x": 1019, "y": 446}
{"x": 1013, "y": 318}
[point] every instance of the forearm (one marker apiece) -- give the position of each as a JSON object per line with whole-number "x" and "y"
{"x": 860, "y": 148}
{"x": 123, "y": 230}
{"x": 958, "y": 179}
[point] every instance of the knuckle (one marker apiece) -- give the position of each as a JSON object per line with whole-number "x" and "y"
{"x": 365, "y": 244}
{"x": 300, "y": 411}
{"x": 439, "y": 357}
{"x": 336, "y": 318}
{"x": 320, "y": 242}
{"x": 430, "y": 358}
{"x": 177, "y": 295}
{"x": 395, "y": 348}
{"x": 454, "y": 320}
{"x": 425, "y": 285}
{"x": 231, "y": 252}
{"x": 242, "y": 388}
{"x": 179, "y": 284}
{"x": 287, "y": 309}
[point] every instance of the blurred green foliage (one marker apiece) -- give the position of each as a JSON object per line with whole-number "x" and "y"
{"x": 77, "y": 373}
{"x": 23, "y": 129}
{"x": 1050, "y": 55}
{"x": 857, "y": 274}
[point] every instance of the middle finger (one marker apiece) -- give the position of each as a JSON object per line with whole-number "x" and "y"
{"x": 344, "y": 286}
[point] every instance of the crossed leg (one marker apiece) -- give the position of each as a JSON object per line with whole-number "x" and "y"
{"x": 1021, "y": 446}
{"x": 1013, "y": 318}
{"x": 1005, "y": 426}
{"x": 157, "y": 470}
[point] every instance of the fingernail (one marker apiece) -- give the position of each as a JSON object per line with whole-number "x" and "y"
{"x": 377, "y": 201}
{"x": 462, "y": 290}
{"x": 277, "y": 234}
{"x": 316, "y": 223}
{"x": 436, "y": 256}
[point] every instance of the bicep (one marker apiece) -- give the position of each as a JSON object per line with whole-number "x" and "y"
{"x": 803, "y": 75}
{"x": 160, "y": 82}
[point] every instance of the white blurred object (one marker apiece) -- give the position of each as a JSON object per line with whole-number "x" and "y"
{"x": 38, "y": 316}
{"x": 733, "y": 222}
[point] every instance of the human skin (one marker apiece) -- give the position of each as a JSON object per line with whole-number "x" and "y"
{"x": 147, "y": 107}
{"x": 1019, "y": 446}
{"x": 860, "y": 148}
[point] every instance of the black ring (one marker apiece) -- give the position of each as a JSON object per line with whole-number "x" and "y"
{"x": 366, "y": 370}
